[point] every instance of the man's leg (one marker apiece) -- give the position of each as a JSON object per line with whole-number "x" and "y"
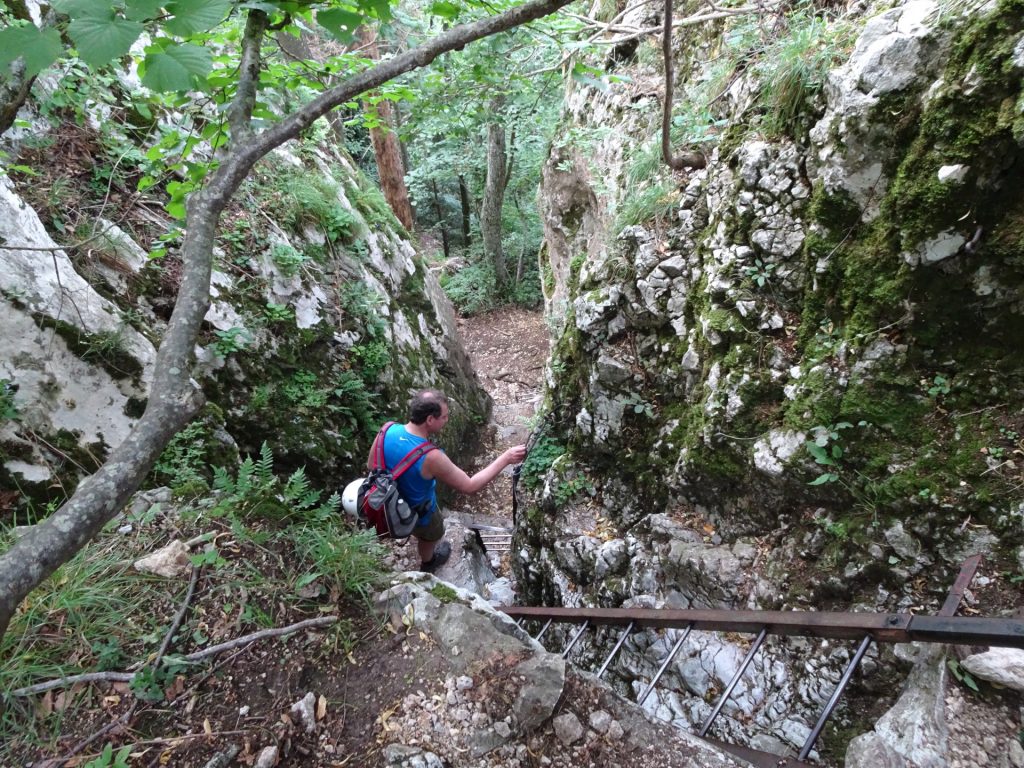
{"x": 427, "y": 536}
{"x": 426, "y": 549}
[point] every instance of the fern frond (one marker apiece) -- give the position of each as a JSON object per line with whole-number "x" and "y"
{"x": 265, "y": 467}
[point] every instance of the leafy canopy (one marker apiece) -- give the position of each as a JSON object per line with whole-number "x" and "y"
{"x": 175, "y": 57}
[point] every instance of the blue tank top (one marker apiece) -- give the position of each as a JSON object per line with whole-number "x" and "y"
{"x": 415, "y": 489}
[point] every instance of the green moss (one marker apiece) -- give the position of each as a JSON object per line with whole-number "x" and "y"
{"x": 444, "y": 593}
{"x": 106, "y": 349}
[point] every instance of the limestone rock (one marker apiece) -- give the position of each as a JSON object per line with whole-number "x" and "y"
{"x": 1003, "y": 666}
{"x": 170, "y": 561}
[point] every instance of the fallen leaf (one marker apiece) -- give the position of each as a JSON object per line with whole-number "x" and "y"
{"x": 207, "y": 728}
{"x": 321, "y": 707}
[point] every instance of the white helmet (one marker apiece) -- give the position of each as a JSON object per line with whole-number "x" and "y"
{"x": 350, "y": 497}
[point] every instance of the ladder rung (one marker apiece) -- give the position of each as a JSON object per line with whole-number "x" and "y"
{"x": 615, "y": 650}
{"x": 577, "y": 636}
{"x": 735, "y": 679}
{"x": 834, "y": 699}
{"x": 664, "y": 666}
{"x": 543, "y": 630}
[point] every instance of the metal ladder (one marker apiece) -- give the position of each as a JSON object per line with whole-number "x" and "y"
{"x": 865, "y": 628}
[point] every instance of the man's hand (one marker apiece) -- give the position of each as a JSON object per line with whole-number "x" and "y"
{"x": 514, "y": 455}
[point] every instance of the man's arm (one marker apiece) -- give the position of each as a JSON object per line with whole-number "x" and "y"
{"x": 438, "y": 466}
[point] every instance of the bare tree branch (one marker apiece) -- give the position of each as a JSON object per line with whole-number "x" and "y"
{"x": 240, "y": 111}
{"x": 686, "y": 159}
{"x": 213, "y": 650}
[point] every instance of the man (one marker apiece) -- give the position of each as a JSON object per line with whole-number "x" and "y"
{"x": 428, "y": 413}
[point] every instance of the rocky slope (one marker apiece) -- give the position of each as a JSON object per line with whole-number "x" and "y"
{"x": 323, "y": 320}
{"x": 790, "y": 378}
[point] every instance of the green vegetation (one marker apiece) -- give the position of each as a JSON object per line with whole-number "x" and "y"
{"x": 289, "y": 552}
{"x": 8, "y": 408}
{"x": 539, "y": 460}
{"x": 444, "y": 593}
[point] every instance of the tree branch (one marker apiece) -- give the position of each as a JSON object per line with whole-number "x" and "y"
{"x": 240, "y": 111}
{"x": 686, "y": 159}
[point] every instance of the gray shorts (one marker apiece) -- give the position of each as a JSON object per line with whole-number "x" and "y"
{"x": 432, "y": 531}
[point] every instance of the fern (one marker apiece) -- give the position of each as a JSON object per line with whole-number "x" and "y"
{"x": 265, "y": 467}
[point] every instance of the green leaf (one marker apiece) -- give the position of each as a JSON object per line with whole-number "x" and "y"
{"x": 819, "y": 454}
{"x": 969, "y": 682}
{"x": 822, "y": 479}
{"x": 445, "y": 9}
{"x": 341, "y": 24}
{"x": 138, "y": 10}
{"x": 176, "y": 67}
{"x": 191, "y": 16}
{"x": 837, "y": 451}
{"x": 100, "y": 40}
{"x": 381, "y": 8}
{"x": 267, "y": 8}
{"x": 77, "y": 8}
{"x": 39, "y": 48}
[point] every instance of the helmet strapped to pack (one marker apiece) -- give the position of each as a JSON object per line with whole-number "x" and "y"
{"x": 379, "y": 504}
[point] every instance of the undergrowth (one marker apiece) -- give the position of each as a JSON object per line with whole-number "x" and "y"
{"x": 274, "y": 552}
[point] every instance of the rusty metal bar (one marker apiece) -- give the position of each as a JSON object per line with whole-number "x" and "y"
{"x": 956, "y": 592}
{"x": 882, "y": 627}
{"x": 967, "y": 630}
{"x": 664, "y": 666}
{"x": 755, "y": 757}
{"x": 831, "y": 705}
{"x": 615, "y": 650}
{"x": 577, "y": 636}
{"x": 735, "y": 679}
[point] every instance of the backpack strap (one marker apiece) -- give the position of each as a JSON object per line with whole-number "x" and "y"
{"x": 377, "y": 452}
{"x": 411, "y": 458}
{"x": 405, "y": 462}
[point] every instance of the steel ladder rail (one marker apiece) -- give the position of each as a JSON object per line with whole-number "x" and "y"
{"x": 892, "y": 628}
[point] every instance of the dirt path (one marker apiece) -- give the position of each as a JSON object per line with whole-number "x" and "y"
{"x": 508, "y": 348}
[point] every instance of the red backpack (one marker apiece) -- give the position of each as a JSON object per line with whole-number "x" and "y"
{"x": 379, "y": 504}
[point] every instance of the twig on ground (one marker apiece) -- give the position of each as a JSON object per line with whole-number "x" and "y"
{"x": 322, "y": 621}
{"x": 213, "y": 650}
{"x": 178, "y": 618}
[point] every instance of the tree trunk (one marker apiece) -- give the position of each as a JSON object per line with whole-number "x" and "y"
{"x": 16, "y": 84}
{"x": 439, "y": 213}
{"x": 494, "y": 198}
{"x": 464, "y": 198}
{"x": 385, "y": 144}
{"x": 173, "y": 400}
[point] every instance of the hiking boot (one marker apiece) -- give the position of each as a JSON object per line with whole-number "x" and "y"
{"x": 441, "y": 554}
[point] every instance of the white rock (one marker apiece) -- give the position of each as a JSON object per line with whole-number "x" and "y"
{"x": 268, "y": 757}
{"x": 568, "y": 728}
{"x": 953, "y": 173}
{"x": 600, "y": 720}
{"x": 170, "y": 561}
{"x": 305, "y": 710}
{"x": 771, "y": 454}
{"x": 1004, "y": 666}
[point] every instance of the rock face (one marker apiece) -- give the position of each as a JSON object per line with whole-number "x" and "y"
{"x": 322, "y": 322}
{"x": 788, "y": 377}
{"x": 496, "y": 697}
